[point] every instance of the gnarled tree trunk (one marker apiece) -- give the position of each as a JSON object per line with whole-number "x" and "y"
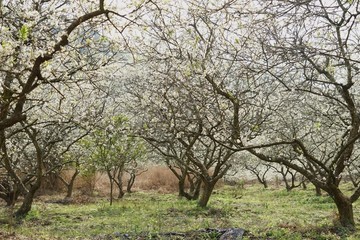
{"x": 28, "y": 199}
{"x": 345, "y": 209}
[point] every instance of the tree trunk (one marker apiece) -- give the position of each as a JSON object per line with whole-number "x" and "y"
{"x": 9, "y": 198}
{"x": 111, "y": 181}
{"x": 121, "y": 192}
{"x": 28, "y": 199}
{"x": 9, "y": 194}
{"x": 119, "y": 183}
{"x": 208, "y": 188}
{"x": 25, "y": 206}
{"x": 345, "y": 210}
{"x": 131, "y": 182}
{"x": 260, "y": 179}
{"x": 69, "y": 190}
{"x": 318, "y": 191}
{"x": 193, "y": 181}
{"x": 111, "y": 191}
{"x": 70, "y": 186}
{"x": 287, "y": 185}
{"x": 181, "y": 185}
{"x": 196, "y": 192}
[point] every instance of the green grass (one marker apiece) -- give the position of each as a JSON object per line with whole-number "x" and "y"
{"x": 264, "y": 213}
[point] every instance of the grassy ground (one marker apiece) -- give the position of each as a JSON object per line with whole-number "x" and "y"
{"x": 264, "y": 213}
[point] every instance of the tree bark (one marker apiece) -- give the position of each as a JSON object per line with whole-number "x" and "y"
{"x": 28, "y": 200}
{"x": 208, "y": 188}
{"x": 345, "y": 210}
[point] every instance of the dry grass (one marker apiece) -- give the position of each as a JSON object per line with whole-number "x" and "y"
{"x": 158, "y": 178}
